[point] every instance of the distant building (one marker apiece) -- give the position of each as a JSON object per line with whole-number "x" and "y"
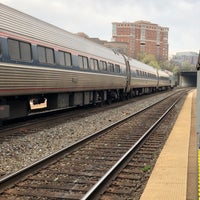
{"x": 97, "y": 40}
{"x": 121, "y": 47}
{"x": 81, "y": 34}
{"x": 182, "y": 57}
{"x": 142, "y": 37}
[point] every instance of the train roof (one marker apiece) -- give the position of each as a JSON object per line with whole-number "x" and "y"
{"x": 23, "y": 24}
{"x": 163, "y": 73}
{"x": 141, "y": 65}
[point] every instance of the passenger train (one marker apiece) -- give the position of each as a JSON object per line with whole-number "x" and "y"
{"x": 45, "y": 67}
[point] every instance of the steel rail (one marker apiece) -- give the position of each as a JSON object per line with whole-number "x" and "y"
{"x": 13, "y": 178}
{"x": 96, "y": 189}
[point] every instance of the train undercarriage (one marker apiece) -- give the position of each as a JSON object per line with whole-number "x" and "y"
{"x": 22, "y": 106}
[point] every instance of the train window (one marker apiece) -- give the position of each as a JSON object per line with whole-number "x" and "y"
{"x": 64, "y": 58}
{"x": 41, "y": 54}
{"x": 80, "y": 61}
{"x": 94, "y": 64}
{"x": 68, "y": 59}
{"x": 111, "y": 67}
{"x": 46, "y": 55}
{"x": 103, "y": 65}
{"x": 25, "y": 49}
{"x": 117, "y": 68}
{"x": 19, "y": 50}
{"x": 61, "y": 58}
{"x": 0, "y": 49}
{"x": 13, "y": 48}
{"x": 83, "y": 62}
{"x": 50, "y": 56}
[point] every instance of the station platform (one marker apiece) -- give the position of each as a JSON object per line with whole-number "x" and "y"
{"x": 175, "y": 174}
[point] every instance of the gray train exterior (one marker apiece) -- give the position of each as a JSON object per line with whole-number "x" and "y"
{"x": 43, "y": 66}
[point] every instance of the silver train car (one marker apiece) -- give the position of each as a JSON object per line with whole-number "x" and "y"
{"x": 45, "y": 67}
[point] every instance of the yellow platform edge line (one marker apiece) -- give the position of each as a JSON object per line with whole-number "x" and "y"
{"x": 199, "y": 173}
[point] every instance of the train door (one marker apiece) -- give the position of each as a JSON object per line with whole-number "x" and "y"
{"x": 157, "y": 79}
{"x": 128, "y": 76}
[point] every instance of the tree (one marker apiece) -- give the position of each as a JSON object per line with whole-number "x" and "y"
{"x": 170, "y": 65}
{"x": 148, "y": 59}
{"x": 186, "y": 66}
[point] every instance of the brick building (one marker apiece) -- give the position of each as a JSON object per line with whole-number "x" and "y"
{"x": 189, "y": 57}
{"x": 142, "y": 37}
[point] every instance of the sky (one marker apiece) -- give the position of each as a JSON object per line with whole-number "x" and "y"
{"x": 95, "y": 17}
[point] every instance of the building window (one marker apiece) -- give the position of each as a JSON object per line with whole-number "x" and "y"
{"x": 19, "y": 50}
{"x": 158, "y": 37}
{"x": 114, "y": 29}
{"x": 143, "y": 36}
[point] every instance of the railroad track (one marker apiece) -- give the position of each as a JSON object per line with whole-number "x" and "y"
{"x": 49, "y": 119}
{"x": 81, "y": 170}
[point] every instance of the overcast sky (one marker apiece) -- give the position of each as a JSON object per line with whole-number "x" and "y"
{"x": 95, "y": 17}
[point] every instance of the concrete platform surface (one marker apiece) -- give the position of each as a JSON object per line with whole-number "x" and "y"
{"x": 168, "y": 180}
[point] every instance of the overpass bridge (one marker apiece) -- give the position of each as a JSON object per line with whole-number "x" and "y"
{"x": 187, "y": 79}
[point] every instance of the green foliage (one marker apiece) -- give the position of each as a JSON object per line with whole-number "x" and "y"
{"x": 177, "y": 67}
{"x": 146, "y": 168}
{"x": 186, "y": 66}
{"x": 151, "y": 60}
{"x": 154, "y": 64}
{"x": 148, "y": 59}
{"x": 169, "y": 65}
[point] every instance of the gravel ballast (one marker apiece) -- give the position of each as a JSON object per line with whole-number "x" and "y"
{"x": 20, "y": 151}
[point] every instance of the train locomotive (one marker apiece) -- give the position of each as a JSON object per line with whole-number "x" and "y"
{"x": 45, "y": 67}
